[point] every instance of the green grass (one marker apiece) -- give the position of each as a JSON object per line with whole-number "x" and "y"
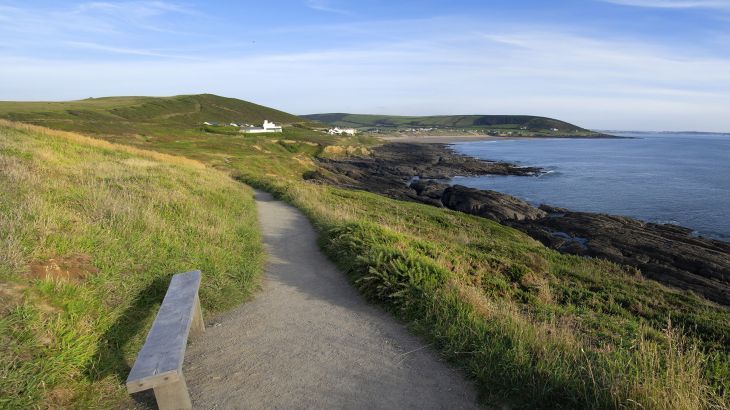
{"x": 533, "y": 327}
{"x": 557, "y": 318}
{"x": 90, "y": 234}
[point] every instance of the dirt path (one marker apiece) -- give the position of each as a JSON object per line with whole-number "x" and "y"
{"x": 309, "y": 340}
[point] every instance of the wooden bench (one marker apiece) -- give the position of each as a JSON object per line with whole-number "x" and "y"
{"x": 159, "y": 363}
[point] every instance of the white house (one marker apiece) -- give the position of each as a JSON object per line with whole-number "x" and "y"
{"x": 266, "y": 127}
{"x": 340, "y": 131}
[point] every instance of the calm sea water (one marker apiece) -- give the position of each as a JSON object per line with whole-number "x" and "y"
{"x": 681, "y": 179}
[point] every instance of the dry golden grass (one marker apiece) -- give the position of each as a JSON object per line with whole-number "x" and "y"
{"x": 90, "y": 233}
{"x": 98, "y": 143}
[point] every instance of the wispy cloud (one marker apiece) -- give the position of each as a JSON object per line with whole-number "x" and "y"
{"x": 102, "y": 17}
{"x": 509, "y": 68}
{"x": 434, "y": 65}
{"x": 326, "y": 6}
{"x": 126, "y": 50}
{"x": 675, "y": 4}
{"x": 94, "y": 29}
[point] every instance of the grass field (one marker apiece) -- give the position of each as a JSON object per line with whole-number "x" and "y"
{"x": 533, "y": 327}
{"x": 90, "y": 234}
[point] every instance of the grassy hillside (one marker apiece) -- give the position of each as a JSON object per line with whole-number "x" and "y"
{"x": 531, "y": 326}
{"x": 485, "y": 122}
{"x": 143, "y": 115}
{"x": 90, "y": 234}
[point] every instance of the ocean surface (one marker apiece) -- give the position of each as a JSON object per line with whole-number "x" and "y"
{"x": 681, "y": 179}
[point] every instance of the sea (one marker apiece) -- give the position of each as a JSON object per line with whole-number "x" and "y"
{"x": 670, "y": 178}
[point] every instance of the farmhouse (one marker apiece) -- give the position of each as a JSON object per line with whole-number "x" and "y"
{"x": 266, "y": 127}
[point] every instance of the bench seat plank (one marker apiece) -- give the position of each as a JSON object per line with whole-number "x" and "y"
{"x": 161, "y": 358}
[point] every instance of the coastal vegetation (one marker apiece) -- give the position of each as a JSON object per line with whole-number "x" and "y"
{"x": 90, "y": 234}
{"x": 533, "y": 327}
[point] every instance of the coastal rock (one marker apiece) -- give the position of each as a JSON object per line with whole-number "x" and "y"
{"x": 429, "y": 189}
{"x": 666, "y": 253}
{"x": 401, "y": 161}
{"x": 489, "y": 204}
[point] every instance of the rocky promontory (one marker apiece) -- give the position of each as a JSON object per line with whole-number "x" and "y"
{"x": 666, "y": 253}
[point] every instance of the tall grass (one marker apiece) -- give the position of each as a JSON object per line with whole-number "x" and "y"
{"x": 99, "y": 143}
{"x": 90, "y": 233}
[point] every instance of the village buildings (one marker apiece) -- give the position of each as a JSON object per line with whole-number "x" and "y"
{"x": 248, "y": 128}
{"x": 266, "y": 127}
{"x": 341, "y": 131}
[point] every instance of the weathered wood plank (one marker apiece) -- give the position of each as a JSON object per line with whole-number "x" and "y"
{"x": 198, "y": 326}
{"x": 173, "y": 396}
{"x": 160, "y": 360}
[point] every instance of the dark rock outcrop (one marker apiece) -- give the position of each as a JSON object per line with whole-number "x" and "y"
{"x": 489, "y": 204}
{"x": 401, "y": 161}
{"x": 667, "y": 253}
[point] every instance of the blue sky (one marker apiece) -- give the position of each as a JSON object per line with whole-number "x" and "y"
{"x": 603, "y": 64}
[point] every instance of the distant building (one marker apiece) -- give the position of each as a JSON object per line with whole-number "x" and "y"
{"x": 266, "y": 127}
{"x": 340, "y": 131}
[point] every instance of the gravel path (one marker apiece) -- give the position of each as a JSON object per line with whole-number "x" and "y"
{"x": 309, "y": 340}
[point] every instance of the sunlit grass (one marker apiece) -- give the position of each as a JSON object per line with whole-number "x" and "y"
{"x": 535, "y": 328}
{"x": 90, "y": 233}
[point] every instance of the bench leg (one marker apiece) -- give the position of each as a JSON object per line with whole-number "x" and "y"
{"x": 198, "y": 326}
{"x": 173, "y": 396}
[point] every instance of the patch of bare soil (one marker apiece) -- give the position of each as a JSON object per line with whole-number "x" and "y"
{"x": 73, "y": 268}
{"x": 11, "y": 295}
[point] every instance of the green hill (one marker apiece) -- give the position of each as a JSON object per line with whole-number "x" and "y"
{"x": 143, "y": 115}
{"x": 501, "y": 122}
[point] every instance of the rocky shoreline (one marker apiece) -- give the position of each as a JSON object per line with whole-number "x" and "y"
{"x": 410, "y": 171}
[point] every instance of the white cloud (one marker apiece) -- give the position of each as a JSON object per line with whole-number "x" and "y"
{"x": 595, "y": 83}
{"x": 90, "y": 17}
{"x": 433, "y": 66}
{"x": 326, "y": 6}
{"x": 125, "y": 50}
{"x": 675, "y": 4}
